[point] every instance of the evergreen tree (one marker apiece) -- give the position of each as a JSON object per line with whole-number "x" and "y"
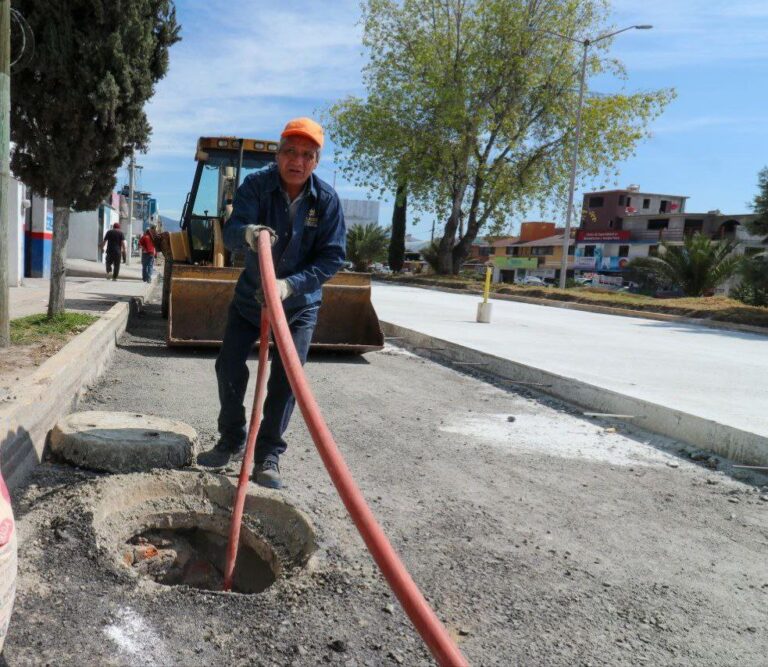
{"x": 760, "y": 205}
{"x": 396, "y": 254}
{"x": 77, "y": 109}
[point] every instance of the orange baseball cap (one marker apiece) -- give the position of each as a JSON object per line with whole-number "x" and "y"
{"x": 304, "y": 127}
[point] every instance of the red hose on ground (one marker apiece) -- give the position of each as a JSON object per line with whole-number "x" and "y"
{"x": 250, "y": 446}
{"x": 423, "y": 618}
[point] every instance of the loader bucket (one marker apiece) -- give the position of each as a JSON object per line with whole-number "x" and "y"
{"x": 200, "y": 297}
{"x": 198, "y": 304}
{"x": 347, "y": 321}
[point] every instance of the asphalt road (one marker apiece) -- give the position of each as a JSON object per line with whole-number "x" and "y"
{"x": 540, "y": 537}
{"x": 712, "y": 373}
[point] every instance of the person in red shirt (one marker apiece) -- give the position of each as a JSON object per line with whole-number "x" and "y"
{"x": 148, "y": 253}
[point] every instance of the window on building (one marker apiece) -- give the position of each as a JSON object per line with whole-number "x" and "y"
{"x": 660, "y": 223}
{"x": 629, "y": 201}
{"x": 542, "y": 250}
{"x": 512, "y": 250}
{"x": 618, "y": 223}
{"x": 621, "y": 200}
{"x": 589, "y": 251}
{"x": 692, "y": 226}
{"x": 485, "y": 252}
{"x": 623, "y": 251}
{"x": 595, "y": 202}
{"x": 653, "y": 250}
{"x": 663, "y": 206}
{"x": 571, "y": 250}
{"x": 646, "y": 203}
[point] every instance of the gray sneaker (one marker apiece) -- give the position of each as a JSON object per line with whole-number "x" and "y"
{"x": 267, "y": 473}
{"x": 220, "y": 455}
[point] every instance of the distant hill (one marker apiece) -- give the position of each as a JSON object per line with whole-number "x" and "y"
{"x": 169, "y": 224}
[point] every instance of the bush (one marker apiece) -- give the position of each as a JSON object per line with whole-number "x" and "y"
{"x": 753, "y": 287}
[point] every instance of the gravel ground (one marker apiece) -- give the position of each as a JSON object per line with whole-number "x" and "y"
{"x": 540, "y": 537}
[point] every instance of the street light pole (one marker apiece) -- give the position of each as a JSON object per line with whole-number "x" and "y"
{"x": 585, "y": 43}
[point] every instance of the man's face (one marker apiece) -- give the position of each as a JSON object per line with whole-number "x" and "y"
{"x": 296, "y": 161}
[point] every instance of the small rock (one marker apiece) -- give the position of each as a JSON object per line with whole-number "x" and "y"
{"x": 510, "y": 418}
{"x": 673, "y": 464}
{"x": 712, "y": 481}
{"x": 389, "y": 609}
{"x": 338, "y": 645}
{"x": 698, "y": 455}
{"x": 712, "y": 462}
{"x": 764, "y": 499}
{"x": 300, "y": 649}
{"x": 396, "y": 657}
{"x": 610, "y": 429}
{"x": 463, "y": 632}
{"x": 733, "y": 500}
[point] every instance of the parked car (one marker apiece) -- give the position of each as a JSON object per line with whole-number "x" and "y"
{"x": 378, "y": 267}
{"x": 533, "y": 281}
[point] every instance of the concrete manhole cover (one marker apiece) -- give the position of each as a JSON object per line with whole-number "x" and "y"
{"x": 123, "y": 442}
{"x": 172, "y": 527}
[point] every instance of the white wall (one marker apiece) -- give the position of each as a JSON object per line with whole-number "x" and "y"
{"x": 83, "y": 241}
{"x": 17, "y": 206}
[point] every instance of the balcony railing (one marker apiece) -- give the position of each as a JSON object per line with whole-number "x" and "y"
{"x": 656, "y": 235}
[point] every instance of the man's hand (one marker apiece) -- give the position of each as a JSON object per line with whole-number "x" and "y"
{"x": 252, "y": 236}
{"x": 283, "y": 286}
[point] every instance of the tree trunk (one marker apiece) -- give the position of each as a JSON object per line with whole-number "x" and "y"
{"x": 396, "y": 255}
{"x": 58, "y": 259}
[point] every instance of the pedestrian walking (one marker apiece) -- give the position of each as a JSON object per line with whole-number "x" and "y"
{"x": 115, "y": 248}
{"x": 304, "y": 217}
{"x": 148, "y": 253}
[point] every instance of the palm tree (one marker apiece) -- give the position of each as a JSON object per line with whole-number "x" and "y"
{"x": 366, "y": 244}
{"x": 697, "y": 267}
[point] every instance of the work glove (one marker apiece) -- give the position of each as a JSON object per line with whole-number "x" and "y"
{"x": 283, "y": 286}
{"x": 252, "y": 236}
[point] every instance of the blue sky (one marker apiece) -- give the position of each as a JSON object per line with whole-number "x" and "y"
{"x": 245, "y": 68}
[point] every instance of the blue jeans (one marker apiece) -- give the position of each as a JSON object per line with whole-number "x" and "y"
{"x": 147, "y": 264}
{"x": 232, "y": 375}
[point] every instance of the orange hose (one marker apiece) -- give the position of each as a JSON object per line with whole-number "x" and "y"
{"x": 423, "y": 618}
{"x": 250, "y": 447}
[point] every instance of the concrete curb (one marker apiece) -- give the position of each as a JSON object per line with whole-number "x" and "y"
{"x": 728, "y": 441}
{"x": 53, "y": 390}
{"x": 603, "y": 310}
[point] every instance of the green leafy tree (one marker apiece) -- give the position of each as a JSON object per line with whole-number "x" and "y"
{"x": 759, "y": 205}
{"x": 697, "y": 267}
{"x": 78, "y": 108}
{"x": 480, "y": 105}
{"x": 366, "y": 244}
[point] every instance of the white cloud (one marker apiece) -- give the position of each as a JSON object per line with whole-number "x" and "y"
{"x": 691, "y": 32}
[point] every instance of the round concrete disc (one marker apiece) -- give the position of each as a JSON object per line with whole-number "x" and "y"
{"x": 123, "y": 441}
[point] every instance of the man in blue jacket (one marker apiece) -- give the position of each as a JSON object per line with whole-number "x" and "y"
{"x": 306, "y": 223}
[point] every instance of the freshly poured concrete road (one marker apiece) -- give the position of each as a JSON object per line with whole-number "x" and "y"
{"x": 716, "y": 374}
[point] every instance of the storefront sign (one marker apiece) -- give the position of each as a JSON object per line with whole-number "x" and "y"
{"x": 583, "y": 236}
{"x": 515, "y": 262}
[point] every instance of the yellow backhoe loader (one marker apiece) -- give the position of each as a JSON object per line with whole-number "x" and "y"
{"x": 200, "y": 274}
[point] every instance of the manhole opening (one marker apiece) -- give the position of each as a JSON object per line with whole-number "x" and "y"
{"x": 196, "y": 557}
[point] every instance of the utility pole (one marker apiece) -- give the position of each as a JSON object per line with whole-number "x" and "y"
{"x": 5, "y": 167}
{"x": 129, "y": 231}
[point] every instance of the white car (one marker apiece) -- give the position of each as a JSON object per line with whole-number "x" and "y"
{"x": 533, "y": 281}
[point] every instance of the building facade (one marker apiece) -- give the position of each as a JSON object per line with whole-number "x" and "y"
{"x": 619, "y": 225}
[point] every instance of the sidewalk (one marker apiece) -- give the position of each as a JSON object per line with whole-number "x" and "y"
{"x": 87, "y": 289}
{"x": 715, "y": 375}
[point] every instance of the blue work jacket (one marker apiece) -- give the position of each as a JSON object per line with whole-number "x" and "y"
{"x": 309, "y": 250}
